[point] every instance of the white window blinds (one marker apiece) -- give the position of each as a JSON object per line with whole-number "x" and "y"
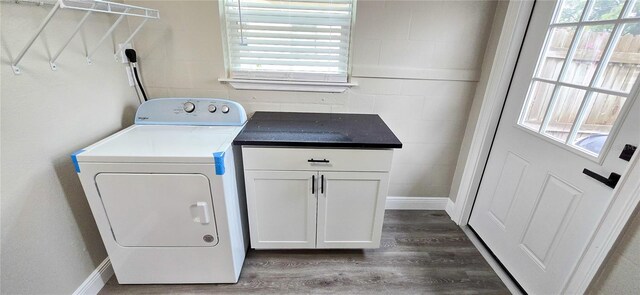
{"x": 299, "y": 40}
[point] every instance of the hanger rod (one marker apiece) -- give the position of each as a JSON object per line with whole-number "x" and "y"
{"x": 34, "y": 2}
{"x": 89, "y": 6}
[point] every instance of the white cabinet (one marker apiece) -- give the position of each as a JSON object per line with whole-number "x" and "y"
{"x": 282, "y": 209}
{"x": 351, "y": 209}
{"x": 315, "y": 198}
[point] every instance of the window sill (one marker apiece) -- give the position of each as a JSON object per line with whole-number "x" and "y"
{"x": 245, "y": 84}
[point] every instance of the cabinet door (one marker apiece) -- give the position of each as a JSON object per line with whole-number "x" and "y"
{"x": 282, "y": 209}
{"x": 351, "y": 209}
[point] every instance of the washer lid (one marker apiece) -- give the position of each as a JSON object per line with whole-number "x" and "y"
{"x": 162, "y": 143}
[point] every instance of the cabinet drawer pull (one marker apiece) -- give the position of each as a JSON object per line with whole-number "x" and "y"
{"x": 312, "y": 160}
{"x": 322, "y": 184}
{"x": 313, "y": 184}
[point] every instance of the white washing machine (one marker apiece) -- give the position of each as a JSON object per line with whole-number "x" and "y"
{"x": 165, "y": 195}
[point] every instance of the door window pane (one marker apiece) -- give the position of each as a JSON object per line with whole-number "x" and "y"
{"x": 596, "y": 126}
{"x": 635, "y": 10}
{"x": 570, "y": 11}
{"x": 589, "y": 50}
{"x": 538, "y": 100}
{"x": 558, "y": 45}
{"x": 623, "y": 67}
{"x": 605, "y": 9}
{"x": 565, "y": 110}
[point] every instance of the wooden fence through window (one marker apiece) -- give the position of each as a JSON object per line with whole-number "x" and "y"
{"x": 620, "y": 74}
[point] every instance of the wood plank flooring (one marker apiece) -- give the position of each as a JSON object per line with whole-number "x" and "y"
{"x": 422, "y": 252}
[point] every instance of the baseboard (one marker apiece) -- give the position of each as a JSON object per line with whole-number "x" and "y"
{"x": 96, "y": 280}
{"x": 416, "y": 203}
{"x": 451, "y": 209}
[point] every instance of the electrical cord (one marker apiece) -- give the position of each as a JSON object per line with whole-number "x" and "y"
{"x": 133, "y": 62}
{"x": 131, "y": 76}
{"x": 135, "y": 73}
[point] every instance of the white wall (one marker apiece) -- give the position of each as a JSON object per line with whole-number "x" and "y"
{"x": 416, "y": 62}
{"x": 621, "y": 272}
{"x": 50, "y": 243}
{"x": 481, "y": 92}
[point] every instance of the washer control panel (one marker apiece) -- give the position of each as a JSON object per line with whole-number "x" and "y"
{"x": 191, "y": 111}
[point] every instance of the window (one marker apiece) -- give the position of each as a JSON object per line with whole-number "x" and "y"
{"x": 586, "y": 72}
{"x": 297, "y": 40}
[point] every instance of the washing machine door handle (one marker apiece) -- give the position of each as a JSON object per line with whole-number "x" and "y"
{"x": 202, "y": 214}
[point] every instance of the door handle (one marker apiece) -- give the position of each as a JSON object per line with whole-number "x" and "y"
{"x": 312, "y": 160}
{"x": 203, "y": 213}
{"x": 610, "y": 182}
{"x": 322, "y": 184}
{"x": 313, "y": 184}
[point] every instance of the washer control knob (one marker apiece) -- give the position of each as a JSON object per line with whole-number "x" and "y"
{"x": 225, "y": 109}
{"x": 189, "y": 107}
{"x": 212, "y": 108}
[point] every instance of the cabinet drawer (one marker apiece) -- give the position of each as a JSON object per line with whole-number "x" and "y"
{"x": 314, "y": 159}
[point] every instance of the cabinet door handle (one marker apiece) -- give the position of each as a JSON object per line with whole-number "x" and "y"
{"x": 313, "y": 184}
{"x": 610, "y": 182}
{"x": 322, "y": 184}
{"x": 312, "y": 160}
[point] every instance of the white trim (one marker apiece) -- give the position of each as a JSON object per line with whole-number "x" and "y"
{"x": 581, "y": 87}
{"x": 414, "y": 73}
{"x": 497, "y": 268}
{"x": 416, "y": 203}
{"x": 450, "y": 209}
{"x": 246, "y": 84}
{"x": 97, "y": 279}
{"x": 621, "y": 20}
{"x": 501, "y": 70}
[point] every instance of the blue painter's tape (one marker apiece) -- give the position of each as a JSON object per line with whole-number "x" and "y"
{"x": 74, "y": 158}
{"x": 218, "y": 159}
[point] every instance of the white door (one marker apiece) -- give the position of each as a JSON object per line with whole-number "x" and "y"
{"x": 158, "y": 210}
{"x": 570, "y": 107}
{"x": 282, "y": 208}
{"x": 351, "y": 209}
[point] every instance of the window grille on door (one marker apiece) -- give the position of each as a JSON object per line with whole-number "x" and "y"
{"x": 585, "y": 73}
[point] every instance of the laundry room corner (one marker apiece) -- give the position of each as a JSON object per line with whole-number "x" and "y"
{"x": 319, "y": 147}
{"x": 424, "y": 100}
{"x": 48, "y": 231}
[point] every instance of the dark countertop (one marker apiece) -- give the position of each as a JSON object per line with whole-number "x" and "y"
{"x": 317, "y": 130}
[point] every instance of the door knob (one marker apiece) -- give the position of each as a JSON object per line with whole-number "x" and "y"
{"x": 610, "y": 182}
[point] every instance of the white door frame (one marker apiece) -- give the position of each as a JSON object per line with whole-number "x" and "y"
{"x": 492, "y": 100}
{"x": 626, "y": 196}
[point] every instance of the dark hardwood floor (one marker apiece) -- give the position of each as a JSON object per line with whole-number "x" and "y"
{"x": 422, "y": 252}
